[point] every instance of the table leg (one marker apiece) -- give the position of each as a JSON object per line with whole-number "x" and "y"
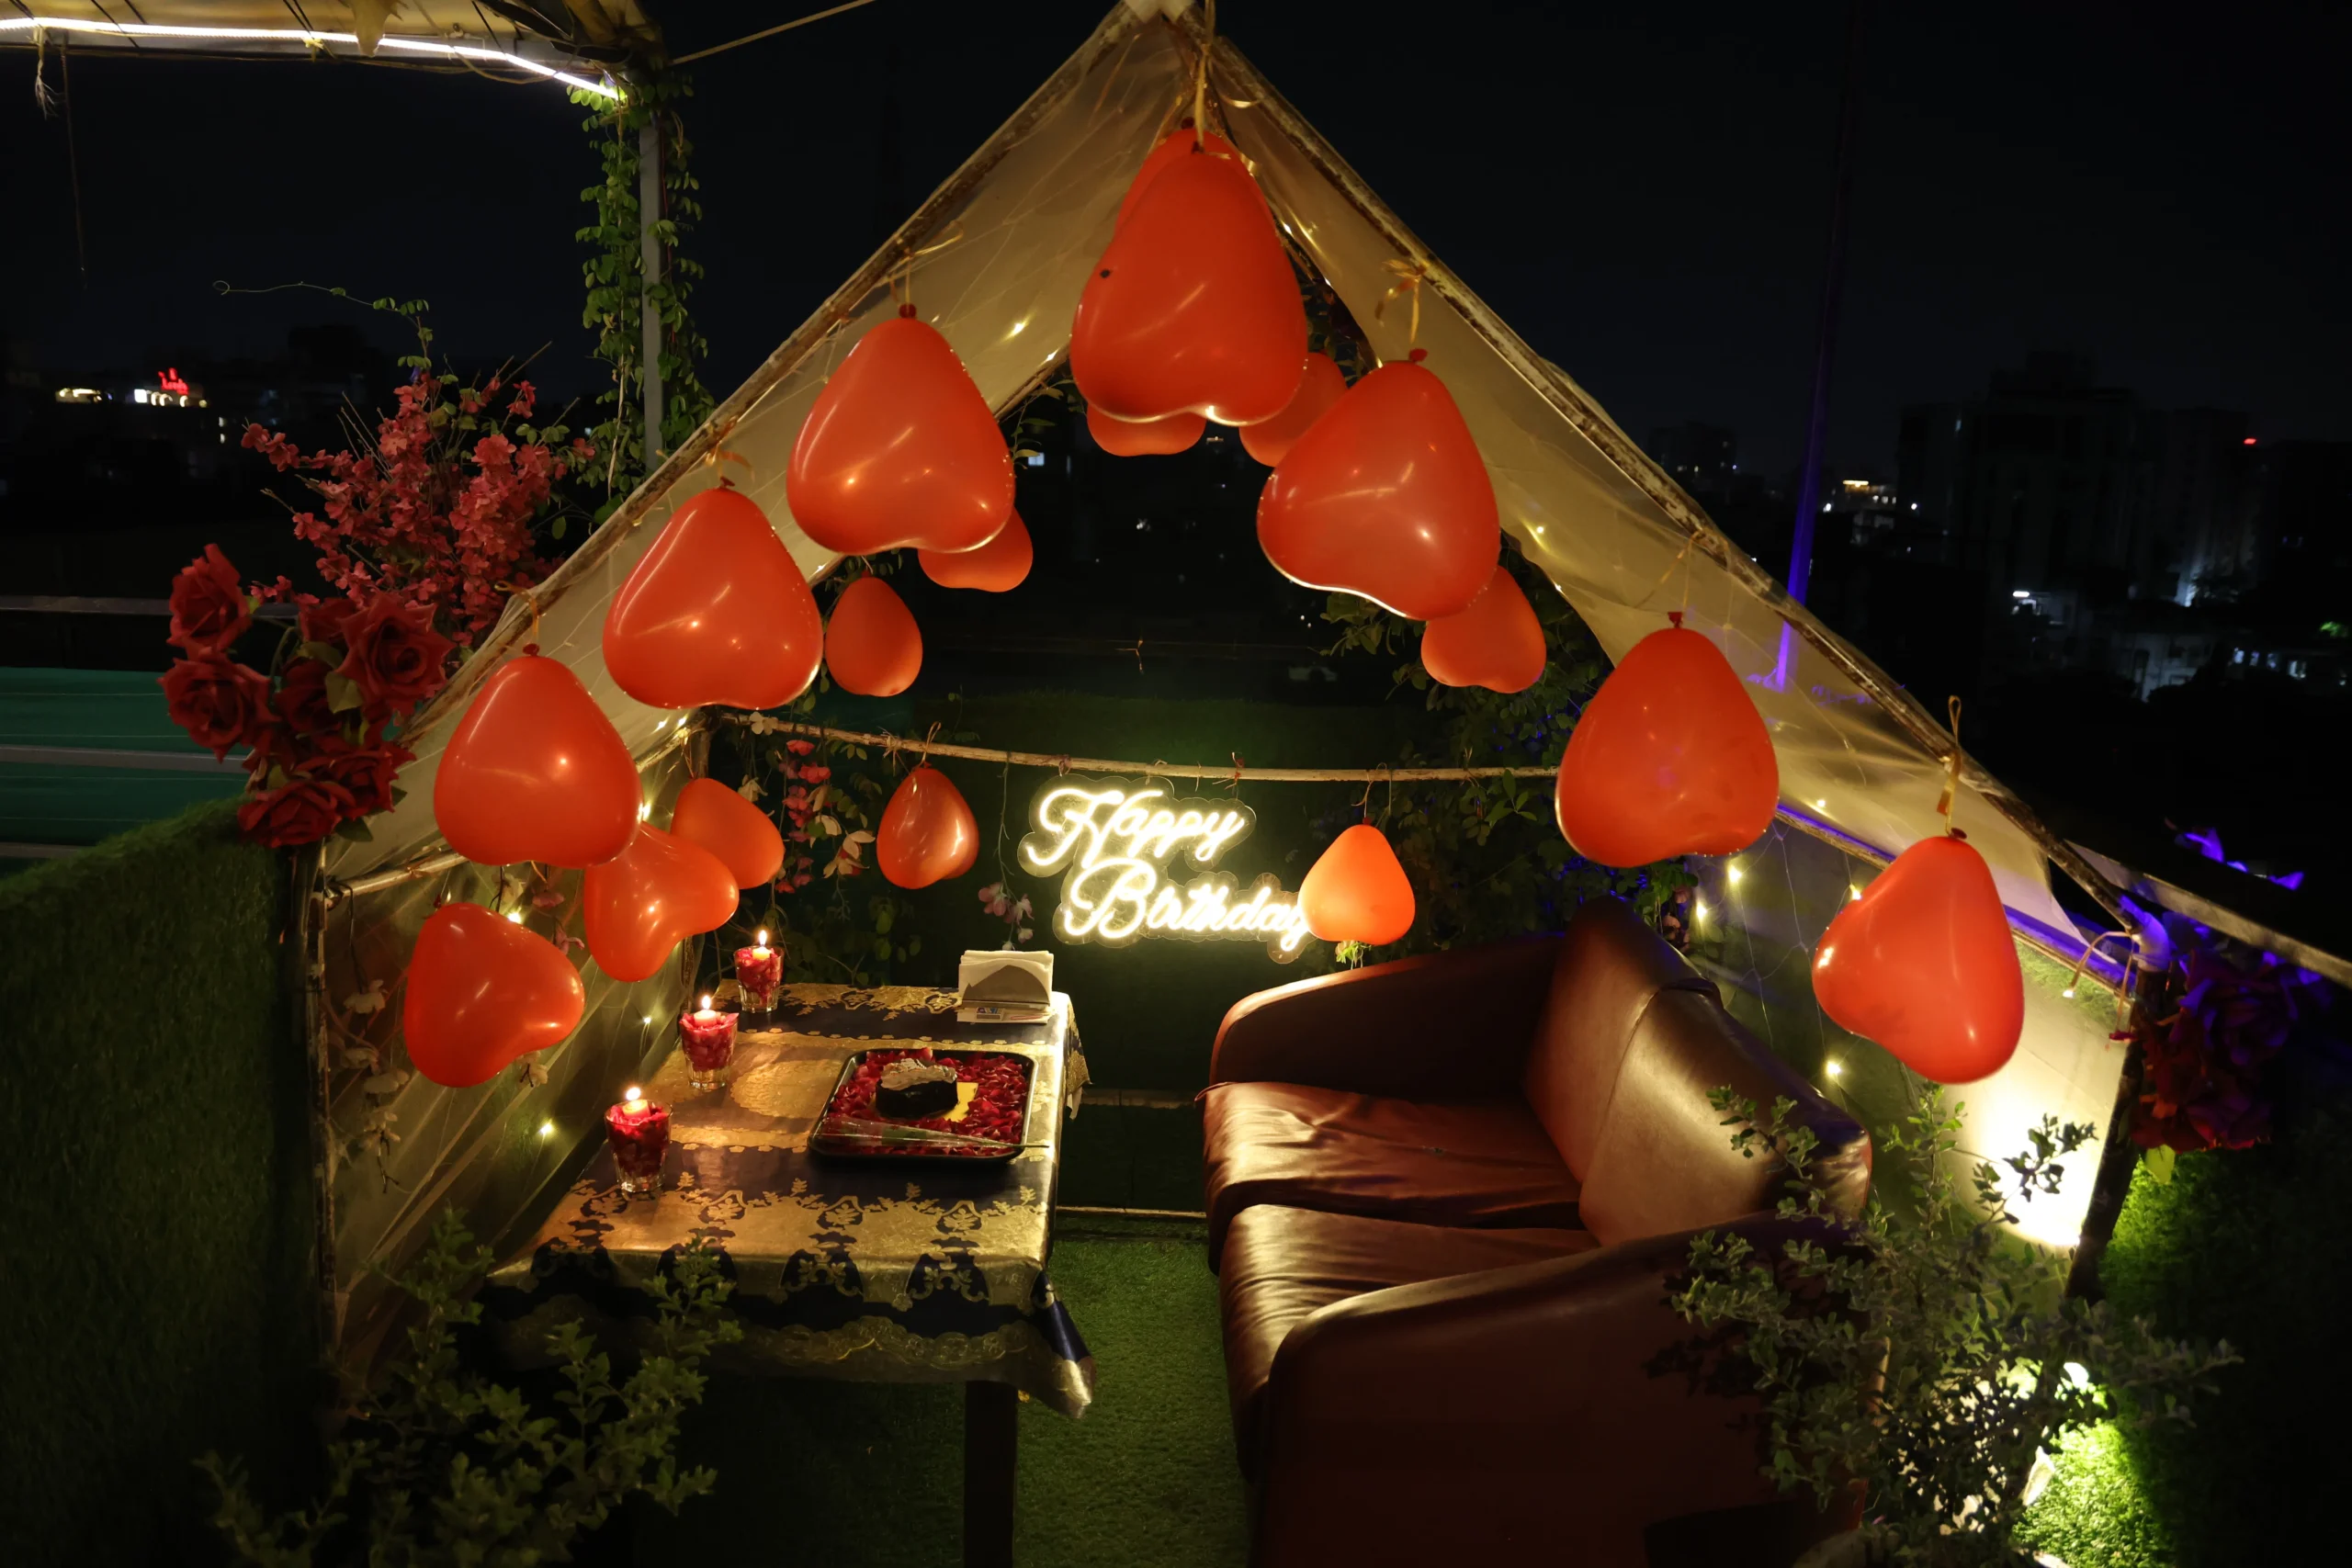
{"x": 992, "y": 1450}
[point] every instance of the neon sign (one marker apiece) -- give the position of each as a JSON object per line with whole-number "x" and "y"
{"x": 1120, "y": 844}
{"x": 172, "y": 382}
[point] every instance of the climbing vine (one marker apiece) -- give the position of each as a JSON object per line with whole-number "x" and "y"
{"x": 614, "y": 274}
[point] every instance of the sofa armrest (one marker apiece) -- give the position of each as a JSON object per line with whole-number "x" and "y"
{"x": 1449, "y": 1026}
{"x": 1461, "y": 1419}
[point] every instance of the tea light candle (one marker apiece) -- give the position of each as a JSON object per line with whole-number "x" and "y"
{"x": 708, "y": 1038}
{"x": 639, "y": 1132}
{"x": 759, "y": 969}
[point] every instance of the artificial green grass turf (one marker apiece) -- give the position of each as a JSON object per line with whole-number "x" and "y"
{"x": 154, "y": 1294}
{"x": 872, "y": 1474}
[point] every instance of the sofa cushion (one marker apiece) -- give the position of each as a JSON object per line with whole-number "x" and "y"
{"x": 1474, "y": 1162}
{"x": 1283, "y": 1264}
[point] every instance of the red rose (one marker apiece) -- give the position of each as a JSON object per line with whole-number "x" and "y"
{"x": 302, "y": 811}
{"x": 396, "y": 656}
{"x": 210, "y": 606}
{"x": 364, "y": 772}
{"x": 301, "y": 699}
{"x": 323, "y": 621}
{"x": 219, "y": 703}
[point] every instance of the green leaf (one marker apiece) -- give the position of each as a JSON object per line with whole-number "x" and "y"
{"x": 2159, "y": 1163}
{"x": 357, "y": 830}
{"x": 326, "y": 653}
{"x": 343, "y": 692}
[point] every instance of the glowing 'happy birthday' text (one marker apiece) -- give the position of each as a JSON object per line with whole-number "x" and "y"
{"x": 1114, "y": 839}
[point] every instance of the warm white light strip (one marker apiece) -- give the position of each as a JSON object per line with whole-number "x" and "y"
{"x": 302, "y": 36}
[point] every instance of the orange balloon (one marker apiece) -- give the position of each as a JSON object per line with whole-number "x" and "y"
{"x": 927, "y": 833}
{"x": 873, "y": 647}
{"x": 1356, "y": 891}
{"x": 1001, "y": 565}
{"x": 1144, "y": 438}
{"x": 1269, "y": 440}
{"x": 1178, "y": 145}
{"x": 535, "y": 772}
{"x": 482, "y": 990}
{"x": 1496, "y": 643}
{"x": 715, "y": 612}
{"x": 1387, "y": 496}
{"x": 901, "y": 449}
{"x": 710, "y": 815}
{"x": 1923, "y": 963}
{"x": 1669, "y": 757}
{"x": 1194, "y": 307}
{"x": 661, "y": 891}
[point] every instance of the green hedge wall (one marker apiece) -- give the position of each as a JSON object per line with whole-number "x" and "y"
{"x": 154, "y": 1291}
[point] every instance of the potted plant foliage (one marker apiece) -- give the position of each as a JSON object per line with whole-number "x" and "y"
{"x": 1921, "y": 1361}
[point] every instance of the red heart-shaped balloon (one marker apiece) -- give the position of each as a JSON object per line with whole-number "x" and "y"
{"x": 1144, "y": 438}
{"x": 715, "y": 612}
{"x": 1269, "y": 440}
{"x": 1356, "y": 891}
{"x": 997, "y": 567}
{"x": 1194, "y": 307}
{"x": 901, "y": 449}
{"x": 660, "y": 891}
{"x": 1387, "y": 496}
{"x": 927, "y": 833}
{"x": 1170, "y": 148}
{"x": 1923, "y": 963}
{"x": 482, "y": 990}
{"x": 535, "y": 772}
{"x": 738, "y": 832}
{"x": 1669, "y": 757}
{"x": 873, "y": 647}
{"x": 1496, "y": 643}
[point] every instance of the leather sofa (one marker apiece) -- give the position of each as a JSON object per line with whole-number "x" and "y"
{"x": 1445, "y": 1197}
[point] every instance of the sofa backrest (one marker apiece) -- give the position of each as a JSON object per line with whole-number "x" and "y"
{"x": 1631, "y": 1041}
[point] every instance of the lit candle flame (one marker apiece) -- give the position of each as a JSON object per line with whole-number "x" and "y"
{"x": 515, "y": 916}
{"x": 761, "y": 940}
{"x": 706, "y": 1004}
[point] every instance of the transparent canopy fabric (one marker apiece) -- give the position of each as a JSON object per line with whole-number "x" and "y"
{"x": 1028, "y": 215}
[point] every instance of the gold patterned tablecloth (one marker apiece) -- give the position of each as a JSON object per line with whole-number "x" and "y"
{"x": 894, "y": 1271}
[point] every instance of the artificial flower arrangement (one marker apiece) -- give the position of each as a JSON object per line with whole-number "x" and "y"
{"x": 422, "y": 532}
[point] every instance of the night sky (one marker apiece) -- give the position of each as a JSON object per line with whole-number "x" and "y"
{"x": 1644, "y": 196}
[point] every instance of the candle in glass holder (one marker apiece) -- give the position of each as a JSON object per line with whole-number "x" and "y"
{"x": 759, "y": 969}
{"x": 639, "y": 1132}
{"x": 709, "y": 1037}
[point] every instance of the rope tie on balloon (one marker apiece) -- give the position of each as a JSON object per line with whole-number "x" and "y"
{"x": 922, "y": 759}
{"x": 1410, "y": 276}
{"x": 2130, "y": 959}
{"x": 902, "y": 271}
{"x": 1233, "y": 784}
{"x": 523, "y": 592}
{"x": 1952, "y": 775}
{"x": 719, "y": 453}
{"x": 1680, "y": 556}
{"x": 1201, "y": 79}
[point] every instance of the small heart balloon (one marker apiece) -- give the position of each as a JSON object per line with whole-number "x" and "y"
{"x": 873, "y": 647}
{"x": 998, "y": 567}
{"x": 927, "y": 833}
{"x": 1669, "y": 757}
{"x": 482, "y": 990}
{"x": 738, "y": 832}
{"x": 1496, "y": 643}
{"x": 1194, "y": 307}
{"x": 1269, "y": 440}
{"x": 535, "y": 772}
{"x": 1386, "y": 496}
{"x": 1357, "y": 891}
{"x": 1923, "y": 963}
{"x": 660, "y": 890}
{"x": 1172, "y": 147}
{"x": 899, "y": 449}
{"x": 1144, "y": 438}
{"x": 715, "y": 612}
